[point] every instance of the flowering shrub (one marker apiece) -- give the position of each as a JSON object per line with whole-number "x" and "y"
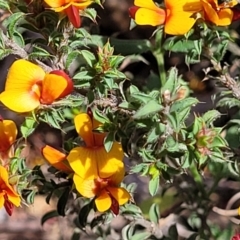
{"x": 116, "y": 129}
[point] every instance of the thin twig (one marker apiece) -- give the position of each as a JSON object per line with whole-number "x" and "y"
{"x": 21, "y": 52}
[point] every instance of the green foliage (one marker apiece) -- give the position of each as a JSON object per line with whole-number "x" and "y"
{"x": 181, "y": 154}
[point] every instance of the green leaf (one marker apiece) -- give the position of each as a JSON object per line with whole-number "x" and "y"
{"x": 38, "y": 52}
{"x": 179, "y": 44}
{"x": 127, "y": 232}
{"x": 148, "y": 109}
{"x": 171, "y": 144}
{"x": 182, "y": 107}
{"x": 71, "y": 57}
{"x": 11, "y": 22}
{"x": 90, "y": 13}
{"x": 218, "y": 141}
{"x": 83, "y": 214}
{"x": 108, "y": 141}
{"x": 141, "y": 97}
{"x": 18, "y": 38}
{"x": 210, "y": 116}
{"x": 31, "y": 196}
{"x": 182, "y": 104}
{"x": 110, "y": 83}
{"x": 138, "y": 168}
{"x": 172, "y": 81}
{"x": 154, "y": 185}
{"x": 4, "y": 5}
{"x": 61, "y": 205}
{"x": 234, "y": 168}
{"x": 154, "y": 213}
{"x": 49, "y": 215}
{"x": 83, "y": 75}
{"x": 89, "y": 57}
{"x": 28, "y": 126}
{"x": 4, "y": 53}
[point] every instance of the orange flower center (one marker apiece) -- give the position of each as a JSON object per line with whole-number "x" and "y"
{"x": 36, "y": 89}
{"x": 101, "y": 183}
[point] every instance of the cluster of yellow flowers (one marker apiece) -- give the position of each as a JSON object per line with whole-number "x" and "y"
{"x": 96, "y": 173}
{"x": 178, "y": 17}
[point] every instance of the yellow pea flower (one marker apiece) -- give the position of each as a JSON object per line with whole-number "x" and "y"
{"x": 92, "y": 159}
{"x": 8, "y": 196}
{"x": 177, "y": 16}
{"x": 219, "y": 14}
{"x": 70, "y": 8}
{"x": 107, "y": 193}
{"x": 28, "y": 86}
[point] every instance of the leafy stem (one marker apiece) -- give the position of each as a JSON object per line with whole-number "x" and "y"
{"x": 158, "y": 52}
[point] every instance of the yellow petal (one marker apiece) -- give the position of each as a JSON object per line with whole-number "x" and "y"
{"x": 184, "y": 5}
{"x": 103, "y": 201}
{"x": 144, "y": 16}
{"x": 118, "y": 176}
{"x": 180, "y": 15}
{"x": 52, "y": 155}
{"x": 22, "y": 89}
{"x": 225, "y": 17}
{"x": 82, "y": 5}
{"x": 8, "y": 133}
{"x": 19, "y": 101}
{"x": 84, "y": 127}
{"x": 87, "y": 188}
{"x": 120, "y": 194}
{"x": 179, "y": 24}
{"x": 94, "y": 162}
{"x": 3, "y": 176}
{"x": 12, "y": 195}
{"x": 2, "y": 200}
{"x": 14, "y": 198}
{"x": 55, "y": 3}
{"x": 23, "y": 75}
{"x": 210, "y": 13}
{"x": 108, "y": 163}
{"x": 62, "y": 8}
{"x": 83, "y": 162}
{"x": 149, "y": 4}
{"x": 56, "y": 158}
